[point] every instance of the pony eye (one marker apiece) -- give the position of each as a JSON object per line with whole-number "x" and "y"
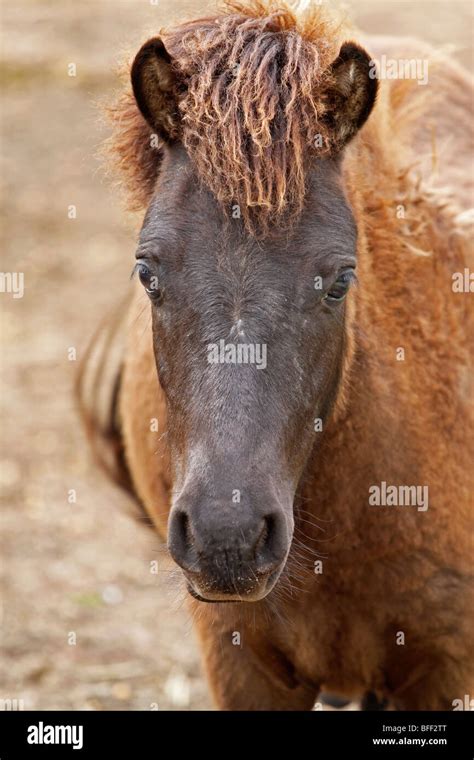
{"x": 149, "y": 280}
{"x": 340, "y": 287}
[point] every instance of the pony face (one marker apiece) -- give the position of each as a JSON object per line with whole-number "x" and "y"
{"x": 248, "y": 286}
{"x": 249, "y": 339}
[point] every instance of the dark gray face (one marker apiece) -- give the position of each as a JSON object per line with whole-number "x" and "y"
{"x": 249, "y": 342}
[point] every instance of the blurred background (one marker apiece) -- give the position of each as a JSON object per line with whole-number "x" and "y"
{"x": 85, "y": 624}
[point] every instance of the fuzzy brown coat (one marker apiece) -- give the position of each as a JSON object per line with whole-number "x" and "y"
{"x": 386, "y": 571}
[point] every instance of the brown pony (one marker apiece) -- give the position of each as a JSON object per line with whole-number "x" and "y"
{"x": 296, "y": 419}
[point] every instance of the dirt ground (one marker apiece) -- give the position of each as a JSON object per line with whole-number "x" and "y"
{"x": 86, "y": 624}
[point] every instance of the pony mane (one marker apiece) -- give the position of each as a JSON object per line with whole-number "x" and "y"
{"x": 253, "y": 81}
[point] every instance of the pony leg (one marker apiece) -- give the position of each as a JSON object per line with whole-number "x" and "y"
{"x": 371, "y": 702}
{"x": 250, "y": 676}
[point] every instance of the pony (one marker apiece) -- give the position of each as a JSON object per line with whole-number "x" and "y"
{"x": 288, "y": 392}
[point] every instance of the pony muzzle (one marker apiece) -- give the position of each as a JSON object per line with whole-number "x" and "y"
{"x": 228, "y": 554}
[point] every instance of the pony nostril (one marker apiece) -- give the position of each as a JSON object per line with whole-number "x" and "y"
{"x": 268, "y": 547}
{"x": 185, "y": 529}
{"x": 264, "y": 534}
{"x": 181, "y": 542}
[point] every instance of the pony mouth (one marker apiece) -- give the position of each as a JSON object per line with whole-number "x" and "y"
{"x": 200, "y": 598}
{"x": 232, "y": 596}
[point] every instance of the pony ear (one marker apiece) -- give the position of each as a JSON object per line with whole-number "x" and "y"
{"x": 155, "y": 89}
{"x": 351, "y": 93}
